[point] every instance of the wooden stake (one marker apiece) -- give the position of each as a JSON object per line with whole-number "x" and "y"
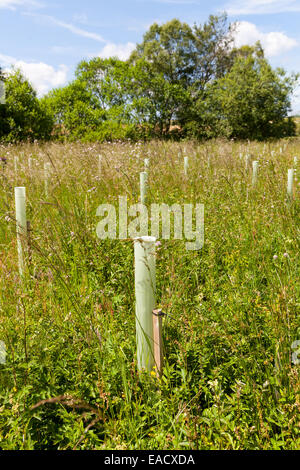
{"x": 158, "y": 341}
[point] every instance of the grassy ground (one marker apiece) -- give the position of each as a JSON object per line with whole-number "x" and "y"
{"x": 70, "y": 379}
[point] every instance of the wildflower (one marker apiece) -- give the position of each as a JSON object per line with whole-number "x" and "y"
{"x": 158, "y": 243}
{"x": 286, "y": 255}
{"x": 275, "y": 257}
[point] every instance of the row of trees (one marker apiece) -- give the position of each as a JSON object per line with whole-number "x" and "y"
{"x": 181, "y": 81}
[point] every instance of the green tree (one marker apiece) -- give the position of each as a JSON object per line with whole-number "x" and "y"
{"x": 98, "y": 103}
{"x": 74, "y": 109}
{"x": 176, "y": 62}
{"x": 252, "y": 101}
{"x": 156, "y": 100}
{"x": 113, "y": 84}
{"x": 23, "y": 116}
{"x": 107, "y": 80}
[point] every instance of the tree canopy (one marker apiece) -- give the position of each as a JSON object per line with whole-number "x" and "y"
{"x": 23, "y": 116}
{"x": 180, "y": 81}
{"x": 252, "y": 99}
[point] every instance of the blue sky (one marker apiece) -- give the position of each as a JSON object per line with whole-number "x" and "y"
{"x": 47, "y": 39}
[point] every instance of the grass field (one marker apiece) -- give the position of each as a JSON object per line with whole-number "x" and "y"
{"x": 70, "y": 379}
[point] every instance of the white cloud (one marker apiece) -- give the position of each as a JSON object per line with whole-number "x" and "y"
{"x": 81, "y": 18}
{"x": 13, "y": 4}
{"x": 274, "y": 43}
{"x": 122, "y": 51}
{"x": 261, "y": 7}
{"x": 7, "y": 60}
{"x": 75, "y": 30}
{"x": 42, "y": 76}
{"x": 69, "y": 26}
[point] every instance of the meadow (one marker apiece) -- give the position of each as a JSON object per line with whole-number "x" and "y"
{"x": 230, "y": 378}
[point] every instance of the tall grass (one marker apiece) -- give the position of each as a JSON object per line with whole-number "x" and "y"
{"x": 70, "y": 379}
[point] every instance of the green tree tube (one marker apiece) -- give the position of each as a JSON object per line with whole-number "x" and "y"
{"x": 21, "y": 222}
{"x": 254, "y": 172}
{"x": 16, "y": 162}
{"x": 100, "y": 165}
{"x": 47, "y": 168}
{"x": 186, "y": 165}
{"x": 30, "y": 166}
{"x": 247, "y": 159}
{"x": 145, "y": 291}
{"x": 143, "y": 186}
{"x": 290, "y": 183}
{"x": 146, "y": 164}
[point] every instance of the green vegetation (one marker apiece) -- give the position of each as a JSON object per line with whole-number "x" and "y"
{"x": 252, "y": 100}
{"x": 23, "y": 116}
{"x": 70, "y": 379}
{"x": 180, "y": 82}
